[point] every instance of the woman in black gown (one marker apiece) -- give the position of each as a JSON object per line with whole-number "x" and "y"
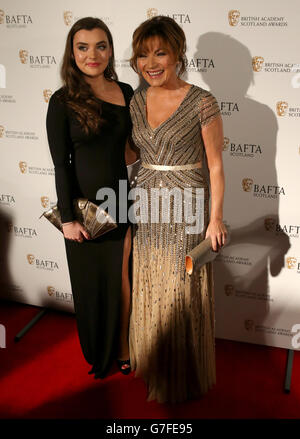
{"x": 88, "y": 124}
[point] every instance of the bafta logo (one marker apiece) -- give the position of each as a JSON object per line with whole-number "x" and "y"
{"x": 282, "y": 108}
{"x": 30, "y": 259}
{"x": 2, "y": 15}
{"x": 47, "y": 95}
{"x": 68, "y": 18}
{"x": 233, "y": 17}
{"x": 23, "y": 167}
{"x": 257, "y": 63}
{"x": 249, "y": 324}
{"x": 247, "y": 184}
{"x": 2, "y": 131}
{"x": 45, "y": 202}
{"x": 269, "y": 224}
{"x": 50, "y": 290}
{"x": 23, "y": 54}
{"x": 229, "y": 290}
{"x": 291, "y": 262}
{"x": 226, "y": 144}
{"x": 152, "y": 12}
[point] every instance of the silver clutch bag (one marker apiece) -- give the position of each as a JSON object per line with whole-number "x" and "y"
{"x": 201, "y": 254}
{"x": 95, "y": 220}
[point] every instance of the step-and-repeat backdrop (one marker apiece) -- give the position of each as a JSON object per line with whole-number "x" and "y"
{"x": 248, "y": 57}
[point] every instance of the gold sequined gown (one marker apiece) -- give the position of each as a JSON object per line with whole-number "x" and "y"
{"x": 172, "y": 321}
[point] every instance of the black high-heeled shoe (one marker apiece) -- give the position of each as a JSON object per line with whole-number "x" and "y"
{"x": 121, "y": 363}
{"x": 100, "y": 375}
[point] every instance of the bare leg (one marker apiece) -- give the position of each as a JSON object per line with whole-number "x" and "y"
{"x": 123, "y": 353}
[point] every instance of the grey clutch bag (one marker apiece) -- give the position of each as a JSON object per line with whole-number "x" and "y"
{"x": 201, "y": 254}
{"x": 95, "y": 220}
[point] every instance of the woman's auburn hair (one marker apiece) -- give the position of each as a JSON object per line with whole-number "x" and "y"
{"x": 77, "y": 93}
{"x": 168, "y": 31}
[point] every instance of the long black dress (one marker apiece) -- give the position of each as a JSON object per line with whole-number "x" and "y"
{"x": 83, "y": 164}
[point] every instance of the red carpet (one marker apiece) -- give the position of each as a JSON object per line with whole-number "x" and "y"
{"x": 45, "y": 376}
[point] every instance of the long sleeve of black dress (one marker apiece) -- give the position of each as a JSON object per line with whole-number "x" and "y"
{"x": 61, "y": 151}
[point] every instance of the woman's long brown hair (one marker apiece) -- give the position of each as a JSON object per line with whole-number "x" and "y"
{"x": 77, "y": 93}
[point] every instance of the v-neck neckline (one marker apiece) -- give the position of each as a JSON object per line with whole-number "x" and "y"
{"x": 170, "y": 117}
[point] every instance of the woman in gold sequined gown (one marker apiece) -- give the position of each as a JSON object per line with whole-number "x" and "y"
{"x": 178, "y": 128}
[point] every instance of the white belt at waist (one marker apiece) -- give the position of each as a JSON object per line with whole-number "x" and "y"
{"x": 172, "y": 168}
